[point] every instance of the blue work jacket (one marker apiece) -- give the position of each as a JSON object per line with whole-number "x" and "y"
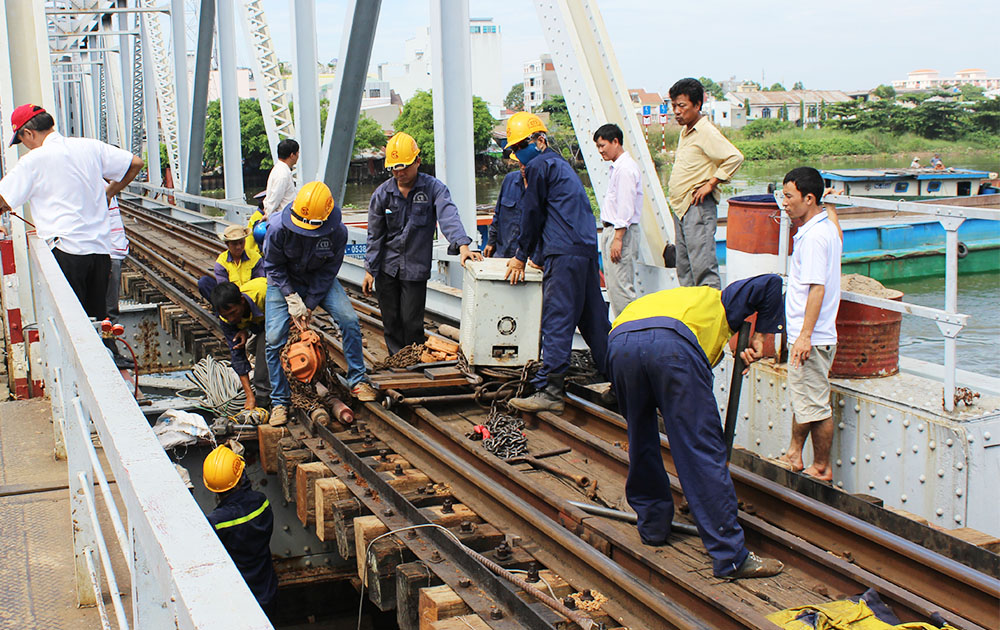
{"x": 401, "y": 230}
{"x": 307, "y": 265}
{"x": 506, "y": 225}
{"x": 253, "y": 323}
{"x": 555, "y": 210}
{"x": 244, "y": 522}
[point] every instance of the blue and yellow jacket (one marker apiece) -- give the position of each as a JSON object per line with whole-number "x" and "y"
{"x": 254, "y": 293}
{"x": 244, "y": 523}
{"x": 241, "y": 271}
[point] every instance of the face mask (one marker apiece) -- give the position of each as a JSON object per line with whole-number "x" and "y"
{"x": 528, "y": 153}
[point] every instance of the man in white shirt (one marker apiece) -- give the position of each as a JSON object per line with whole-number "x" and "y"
{"x": 280, "y": 189}
{"x": 119, "y": 250}
{"x": 811, "y": 303}
{"x": 620, "y": 214}
{"x": 64, "y": 181}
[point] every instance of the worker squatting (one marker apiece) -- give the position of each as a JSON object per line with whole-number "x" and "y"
{"x": 658, "y": 354}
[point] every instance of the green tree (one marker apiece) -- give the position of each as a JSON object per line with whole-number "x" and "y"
{"x": 935, "y": 120}
{"x": 971, "y": 92}
{"x": 776, "y": 87}
{"x": 369, "y": 135}
{"x": 712, "y": 88}
{"x": 515, "y": 98}
{"x": 562, "y": 135}
{"x": 885, "y": 92}
{"x": 798, "y": 86}
{"x": 253, "y": 138}
{"x": 760, "y": 127}
{"x": 417, "y": 119}
{"x": 985, "y": 116}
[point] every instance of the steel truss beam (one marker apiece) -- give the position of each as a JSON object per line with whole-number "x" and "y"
{"x": 267, "y": 75}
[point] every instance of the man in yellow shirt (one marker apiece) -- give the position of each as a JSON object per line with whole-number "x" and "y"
{"x": 237, "y": 264}
{"x": 661, "y": 351}
{"x": 704, "y": 159}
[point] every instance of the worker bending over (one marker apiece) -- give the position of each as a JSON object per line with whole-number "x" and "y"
{"x": 303, "y": 251}
{"x": 243, "y": 521}
{"x": 401, "y": 218}
{"x": 237, "y": 264}
{"x": 241, "y": 311}
{"x": 555, "y": 212}
{"x": 661, "y": 351}
{"x": 506, "y": 225}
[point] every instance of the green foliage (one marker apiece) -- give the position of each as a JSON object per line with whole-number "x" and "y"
{"x": 369, "y": 135}
{"x": 712, "y": 88}
{"x": 935, "y": 119}
{"x": 931, "y": 119}
{"x": 253, "y": 138}
{"x": 760, "y": 127}
{"x": 515, "y": 98}
{"x": 775, "y": 87}
{"x": 562, "y": 136}
{"x": 417, "y": 119}
{"x": 803, "y": 144}
{"x": 985, "y": 116}
{"x": 798, "y": 86}
{"x": 971, "y": 92}
{"x": 885, "y": 91}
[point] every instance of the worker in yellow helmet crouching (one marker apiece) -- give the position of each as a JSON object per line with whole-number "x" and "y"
{"x": 243, "y": 521}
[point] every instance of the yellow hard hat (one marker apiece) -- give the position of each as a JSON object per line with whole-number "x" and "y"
{"x": 401, "y": 151}
{"x": 223, "y": 469}
{"x": 523, "y": 125}
{"x": 312, "y": 206}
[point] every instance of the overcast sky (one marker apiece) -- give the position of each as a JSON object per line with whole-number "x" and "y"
{"x": 848, "y": 44}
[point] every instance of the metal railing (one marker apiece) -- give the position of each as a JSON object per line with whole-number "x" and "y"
{"x": 949, "y": 321}
{"x": 233, "y": 211}
{"x": 179, "y": 573}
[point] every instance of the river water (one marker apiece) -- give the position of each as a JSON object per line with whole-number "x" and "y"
{"x": 979, "y": 294}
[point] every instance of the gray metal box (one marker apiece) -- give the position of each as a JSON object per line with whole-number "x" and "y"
{"x": 501, "y": 324}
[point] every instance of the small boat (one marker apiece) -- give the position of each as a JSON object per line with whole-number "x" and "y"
{"x": 912, "y": 184}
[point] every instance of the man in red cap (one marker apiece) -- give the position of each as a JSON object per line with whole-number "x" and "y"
{"x": 64, "y": 181}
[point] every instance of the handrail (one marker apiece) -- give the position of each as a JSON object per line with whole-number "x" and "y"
{"x": 949, "y": 321}
{"x": 177, "y": 566}
{"x": 235, "y": 211}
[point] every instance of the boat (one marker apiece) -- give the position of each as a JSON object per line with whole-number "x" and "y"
{"x": 912, "y": 184}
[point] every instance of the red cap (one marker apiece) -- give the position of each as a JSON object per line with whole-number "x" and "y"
{"x": 21, "y": 115}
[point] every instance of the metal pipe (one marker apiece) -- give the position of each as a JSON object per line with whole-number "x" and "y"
{"x": 951, "y": 306}
{"x": 306, "y": 89}
{"x": 231, "y": 151}
{"x": 102, "y": 548}
{"x": 102, "y": 610}
{"x": 735, "y": 387}
{"x": 163, "y": 9}
{"x": 629, "y": 517}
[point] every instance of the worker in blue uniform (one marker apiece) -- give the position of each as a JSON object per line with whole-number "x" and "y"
{"x": 661, "y": 351}
{"x": 401, "y": 218}
{"x": 243, "y": 522}
{"x": 241, "y": 313}
{"x": 303, "y": 251}
{"x": 556, "y": 218}
{"x": 506, "y": 225}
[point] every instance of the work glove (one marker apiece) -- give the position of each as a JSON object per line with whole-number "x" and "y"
{"x": 296, "y": 307}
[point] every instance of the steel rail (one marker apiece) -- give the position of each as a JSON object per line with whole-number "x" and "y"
{"x": 970, "y": 595}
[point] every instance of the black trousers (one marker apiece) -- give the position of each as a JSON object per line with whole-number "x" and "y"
{"x": 402, "y": 306}
{"x": 88, "y": 274}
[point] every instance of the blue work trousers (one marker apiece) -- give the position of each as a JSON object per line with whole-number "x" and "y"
{"x": 571, "y": 298}
{"x": 276, "y": 324}
{"x": 657, "y": 368}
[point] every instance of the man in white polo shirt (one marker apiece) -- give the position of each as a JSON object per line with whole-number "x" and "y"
{"x": 280, "y": 189}
{"x": 811, "y": 303}
{"x": 64, "y": 181}
{"x": 620, "y": 214}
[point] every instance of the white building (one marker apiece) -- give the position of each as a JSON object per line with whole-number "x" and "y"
{"x": 746, "y": 106}
{"x": 726, "y": 113}
{"x": 540, "y": 82}
{"x": 927, "y": 79}
{"x": 414, "y": 73}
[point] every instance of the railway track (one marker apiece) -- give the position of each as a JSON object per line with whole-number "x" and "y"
{"x": 828, "y": 554}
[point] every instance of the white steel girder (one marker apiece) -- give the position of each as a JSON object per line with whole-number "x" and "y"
{"x": 165, "y": 94}
{"x": 596, "y": 93}
{"x": 272, "y": 97}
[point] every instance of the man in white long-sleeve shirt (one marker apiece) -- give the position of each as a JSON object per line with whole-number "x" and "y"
{"x": 280, "y": 189}
{"x": 620, "y": 215}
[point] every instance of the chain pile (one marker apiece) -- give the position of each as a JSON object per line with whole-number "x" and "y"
{"x": 507, "y": 440}
{"x": 304, "y": 395}
{"x": 408, "y": 356}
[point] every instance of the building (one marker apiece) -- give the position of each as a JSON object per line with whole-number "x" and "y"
{"x": 540, "y": 82}
{"x": 927, "y": 79}
{"x": 739, "y": 108}
{"x": 414, "y": 72}
{"x": 487, "y": 63}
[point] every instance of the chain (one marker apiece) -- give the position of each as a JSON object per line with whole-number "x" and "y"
{"x": 304, "y": 395}
{"x": 410, "y": 355}
{"x": 507, "y": 439}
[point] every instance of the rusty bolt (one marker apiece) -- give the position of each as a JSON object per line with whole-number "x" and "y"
{"x": 383, "y": 454}
{"x": 398, "y": 470}
{"x": 496, "y": 613}
{"x": 351, "y": 474}
{"x": 533, "y": 573}
{"x": 430, "y": 488}
{"x": 448, "y": 507}
{"x": 369, "y": 440}
{"x": 503, "y": 551}
{"x": 421, "y": 490}
{"x": 354, "y": 429}
{"x": 436, "y": 556}
{"x": 368, "y": 492}
{"x": 587, "y": 596}
{"x": 387, "y": 512}
{"x": 847, "y": 555}
{"x": 412, "y": 534}
{"x": 569, "y": 602}
{"x": 464, "y": 582}
{"x": 466, "y": 526}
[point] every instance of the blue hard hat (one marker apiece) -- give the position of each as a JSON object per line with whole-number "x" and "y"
{"x": 259, "y": 230}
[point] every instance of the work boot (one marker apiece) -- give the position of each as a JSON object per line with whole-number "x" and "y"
{"x": 363, "y": 391}
{"x": 549, "y": 398}
{"x": 756, "y": 567}
{"x": 279, "y": 416}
